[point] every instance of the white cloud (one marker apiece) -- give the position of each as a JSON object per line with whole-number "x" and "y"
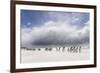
{"x": 55, "y": 33}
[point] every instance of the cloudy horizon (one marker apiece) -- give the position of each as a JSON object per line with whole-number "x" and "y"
{"x": 54, "y": 28}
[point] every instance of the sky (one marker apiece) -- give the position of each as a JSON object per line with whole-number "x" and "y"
{"x": 43, "y": 28}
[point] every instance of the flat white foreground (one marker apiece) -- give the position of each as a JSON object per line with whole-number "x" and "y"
{"x": 35, "y": 56}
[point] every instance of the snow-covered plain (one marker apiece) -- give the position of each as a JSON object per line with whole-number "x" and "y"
{"x": 42, "y": 55}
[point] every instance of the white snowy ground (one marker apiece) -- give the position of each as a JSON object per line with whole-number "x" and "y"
{"x": 30, "y": 56}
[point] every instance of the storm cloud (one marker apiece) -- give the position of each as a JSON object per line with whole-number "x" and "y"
{"x": 56, "y": 34}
